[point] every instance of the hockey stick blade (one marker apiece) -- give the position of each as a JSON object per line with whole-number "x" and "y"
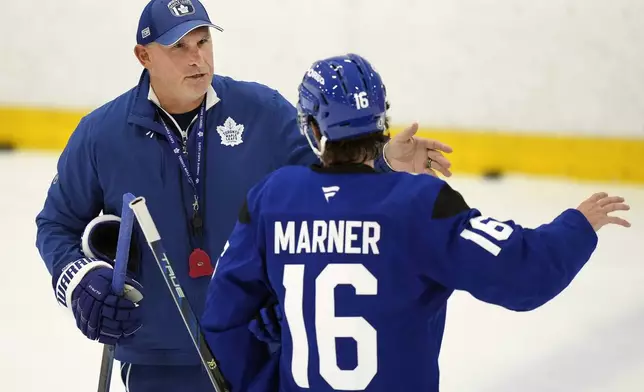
{"x": 118, "y": 284}
{"x": 190, "y": 320}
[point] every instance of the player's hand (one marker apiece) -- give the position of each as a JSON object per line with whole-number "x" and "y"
{"x": 412, "y": 154}
{"x": 266, "y": 326}
{"x": 597, "y": 207}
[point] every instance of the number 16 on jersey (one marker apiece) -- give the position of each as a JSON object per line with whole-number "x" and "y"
{"x": 495, "y": 229}
{"x": 328, "y": 327}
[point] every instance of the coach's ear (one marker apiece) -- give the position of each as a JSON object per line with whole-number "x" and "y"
{"x": 141, "y": 54}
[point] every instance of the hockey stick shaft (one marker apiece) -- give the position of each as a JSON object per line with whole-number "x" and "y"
{"x": 190, "y": 320}
{"x": 118, "y": 284}
{"x": 107, "y": 362}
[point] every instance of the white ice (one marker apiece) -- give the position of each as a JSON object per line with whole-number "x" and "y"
{"x": 590, "y": 338}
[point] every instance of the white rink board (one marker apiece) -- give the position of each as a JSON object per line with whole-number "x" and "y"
{"x": 567, "y": 65}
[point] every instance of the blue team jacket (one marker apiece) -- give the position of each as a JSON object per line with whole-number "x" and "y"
{"x": 121, "y": 147}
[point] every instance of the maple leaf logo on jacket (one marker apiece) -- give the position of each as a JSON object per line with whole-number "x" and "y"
{"x": 231, "y": 133}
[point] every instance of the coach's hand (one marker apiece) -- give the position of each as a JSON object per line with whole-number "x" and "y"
{"x": 101, "y": 314}
{"x": 409, "y": 153}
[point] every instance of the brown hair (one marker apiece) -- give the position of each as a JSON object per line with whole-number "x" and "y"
{"x": 356, "y": 150}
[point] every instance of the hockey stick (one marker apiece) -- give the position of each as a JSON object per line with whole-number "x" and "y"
{"x": 153, "y": 239}
{"x": 118, "y": 284}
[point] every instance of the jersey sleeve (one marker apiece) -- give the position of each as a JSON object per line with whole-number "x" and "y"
{"x": 291, "y": 147}
{"x": 74, "y": 198}
{"x": 236, "y": 293}
{"x": 501, "y": 262}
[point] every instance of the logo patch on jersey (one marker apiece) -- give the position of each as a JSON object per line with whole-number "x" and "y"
{"x": 180, "y": 8}
{"x": 231, "y": 133}
{"x": 330, "y": 191}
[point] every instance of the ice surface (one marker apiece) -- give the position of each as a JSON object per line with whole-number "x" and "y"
{"x": 590, "y": 338}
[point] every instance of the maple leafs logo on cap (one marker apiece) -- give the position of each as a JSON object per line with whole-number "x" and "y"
{"x": 181, "y": 7}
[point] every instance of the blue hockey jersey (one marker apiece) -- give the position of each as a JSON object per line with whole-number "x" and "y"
{"x": 362, "y": 265}
{"x": 250, "y": 130}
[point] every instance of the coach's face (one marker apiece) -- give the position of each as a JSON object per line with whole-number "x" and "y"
{"x": 184, "y": 68}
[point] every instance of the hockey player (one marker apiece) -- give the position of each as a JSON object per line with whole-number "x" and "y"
{"x": 193, "y": 143}
{"x": 362, "y": 264}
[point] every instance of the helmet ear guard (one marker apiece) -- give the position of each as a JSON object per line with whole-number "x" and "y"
{"x": 305, "y": 122}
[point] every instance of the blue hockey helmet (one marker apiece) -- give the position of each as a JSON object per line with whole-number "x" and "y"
{"x": 345, "y": 96}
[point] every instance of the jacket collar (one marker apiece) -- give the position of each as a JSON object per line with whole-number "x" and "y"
{"x": 146, "y": 103}
{"x": 211, "y": 97}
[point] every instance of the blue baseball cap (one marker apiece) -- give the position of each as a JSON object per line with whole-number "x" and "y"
{"x": 167, "y": 21}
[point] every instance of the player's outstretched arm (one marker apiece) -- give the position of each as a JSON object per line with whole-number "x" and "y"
{"x": 509, "y": 265}
{"x": 236, "y": 293}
